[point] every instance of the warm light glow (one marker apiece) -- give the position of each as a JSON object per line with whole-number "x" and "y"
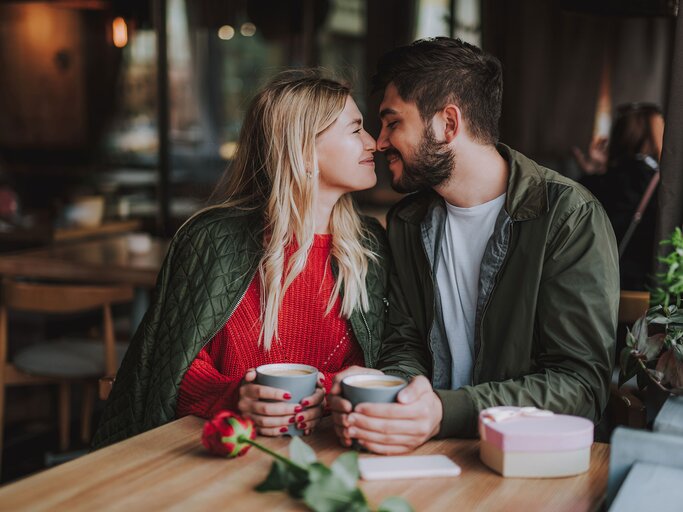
{"x": 603, "y": 109}
{"x": 119, "y": 32}
{"x": 227, "y": 150}
{"x": 248, "y": 29}
{"x": 226, "y": 32}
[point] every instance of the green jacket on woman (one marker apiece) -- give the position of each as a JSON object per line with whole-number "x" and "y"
{"x": 207, "y": 270}
{"x": 547, "y": 307}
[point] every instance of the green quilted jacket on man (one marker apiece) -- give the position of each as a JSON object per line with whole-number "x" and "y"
{"x": 209, "y": 266}
{"x": 546, "y": 313}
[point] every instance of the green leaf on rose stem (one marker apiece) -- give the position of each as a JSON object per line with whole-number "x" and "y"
{"x": 395, "y": 504}
{"x": 276, "y": 479}
{"x": 346, "y": 468}
{"x": 301, "y": 453}
{"x": 282, "y": 477}
{"x": 328, "y": 492}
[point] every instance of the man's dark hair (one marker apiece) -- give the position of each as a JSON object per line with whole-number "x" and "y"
{"x": 437, "y": 71}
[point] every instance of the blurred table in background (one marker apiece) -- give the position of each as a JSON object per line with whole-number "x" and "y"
{"x": 15, "y": 237}
{"x": 104, "y": 260}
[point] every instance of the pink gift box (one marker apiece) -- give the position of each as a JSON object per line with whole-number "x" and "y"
{"x": 529, "y": 442}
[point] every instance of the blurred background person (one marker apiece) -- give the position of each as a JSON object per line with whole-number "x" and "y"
{"x": 631, "y": 162}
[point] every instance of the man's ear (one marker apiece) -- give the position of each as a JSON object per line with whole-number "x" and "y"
{"x": 452, "y": 119}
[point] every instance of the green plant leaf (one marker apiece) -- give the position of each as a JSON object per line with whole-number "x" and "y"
{"x": 631, "y": 341}
{"x": 678, "y": 352}
{"x": 671, "y": 369}
{"x": 643, "y": 378}
{"x": 276, "y": 480}
{"x": 660, "y": 320}
{"x": 628, "y": 366}
{"x": 328, "y": 492}
{"x": 639, "y": 331}
{"x": 346, "y": 468}
{"x": 284, "y": 477}
{"x": 395, "y": 504}
{"x": 301, "y": 453}
{"x": 653, "y": 346}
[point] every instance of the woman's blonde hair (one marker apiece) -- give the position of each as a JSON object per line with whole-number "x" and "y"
{"x": 275, "y": 170}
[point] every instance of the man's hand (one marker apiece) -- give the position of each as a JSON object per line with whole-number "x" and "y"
{"x": 274, "y": 418}
{"x": 391, "y": 428}
{"x": 339, "y": 406}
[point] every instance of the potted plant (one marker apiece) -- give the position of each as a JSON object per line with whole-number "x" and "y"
{"x": 654, "y": 345}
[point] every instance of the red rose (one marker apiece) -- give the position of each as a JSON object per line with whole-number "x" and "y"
{"x": 226, "y": 432}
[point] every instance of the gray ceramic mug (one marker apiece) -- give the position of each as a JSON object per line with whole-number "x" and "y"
{"x": 299, "y": 380}
{"x": 373, "y": 388}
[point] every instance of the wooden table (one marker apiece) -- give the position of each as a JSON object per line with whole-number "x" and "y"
{"x": 93, "y": 261}
{"x": 167, "y": 468}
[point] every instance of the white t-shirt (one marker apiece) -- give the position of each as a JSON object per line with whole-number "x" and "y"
{"x": 466, "y": 233}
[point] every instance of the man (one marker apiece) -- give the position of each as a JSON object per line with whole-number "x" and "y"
{"x": 505, "y": 287}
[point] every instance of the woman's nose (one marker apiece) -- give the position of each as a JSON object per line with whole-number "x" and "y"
{"x": 370, "y": 142}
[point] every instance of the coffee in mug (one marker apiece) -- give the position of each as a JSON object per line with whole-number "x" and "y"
{"x": 372, "y": 388}
{"x": 376, "y": 383}
{"x": 287, "y": 372}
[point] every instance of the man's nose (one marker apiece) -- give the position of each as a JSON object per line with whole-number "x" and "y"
{"x": 383, "y": 140}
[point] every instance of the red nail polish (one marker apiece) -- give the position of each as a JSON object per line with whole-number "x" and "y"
{"x": 283, "y": 429}
{"x": 300, "y": 418}
{"x": 287, "y": 396}
{"x": 305, "y": 403}
{"x": 298, "y": 408}
{"x": 302, "y": 426}
{"x": 292, "y": 419}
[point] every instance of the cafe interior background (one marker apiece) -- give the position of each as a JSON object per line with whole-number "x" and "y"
{"x": 120, "y": 115}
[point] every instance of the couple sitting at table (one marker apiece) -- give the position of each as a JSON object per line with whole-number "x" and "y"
{"x": 495, "y": 284}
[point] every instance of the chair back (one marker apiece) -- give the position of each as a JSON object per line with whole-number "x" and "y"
{"x": 55, "y": 298}
{"x": 632, "y": 305}
{"x": 60, "y": 298}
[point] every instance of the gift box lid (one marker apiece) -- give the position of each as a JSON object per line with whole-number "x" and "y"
{"x": 527, "y": 429}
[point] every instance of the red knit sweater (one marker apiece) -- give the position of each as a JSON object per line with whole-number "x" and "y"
{"x": 307, "y": 336}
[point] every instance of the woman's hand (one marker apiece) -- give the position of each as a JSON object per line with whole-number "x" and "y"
{"x": 273, "y": 418}
{"x": 311, "y": 416}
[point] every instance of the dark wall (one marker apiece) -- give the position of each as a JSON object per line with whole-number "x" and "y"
{"x": 552, "y": 61}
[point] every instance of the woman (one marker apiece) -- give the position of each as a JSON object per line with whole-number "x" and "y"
{"x": 633, "y": 154}
{"x": 282, "y": 270}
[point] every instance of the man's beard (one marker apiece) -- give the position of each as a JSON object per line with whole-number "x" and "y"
{"x": 431, "y": 166}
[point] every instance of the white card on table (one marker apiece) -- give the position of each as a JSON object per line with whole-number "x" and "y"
{"x": 409, "y": 466}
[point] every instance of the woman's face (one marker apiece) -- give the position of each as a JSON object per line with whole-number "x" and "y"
{"x": 345, "y": 154}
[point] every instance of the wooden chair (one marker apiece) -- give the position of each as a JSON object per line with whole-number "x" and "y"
{"x": 624, "y": 406}
{"x": 632, "y": 305}
{"x": 60, "y": 362}
{"x": 105, "y": 385}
